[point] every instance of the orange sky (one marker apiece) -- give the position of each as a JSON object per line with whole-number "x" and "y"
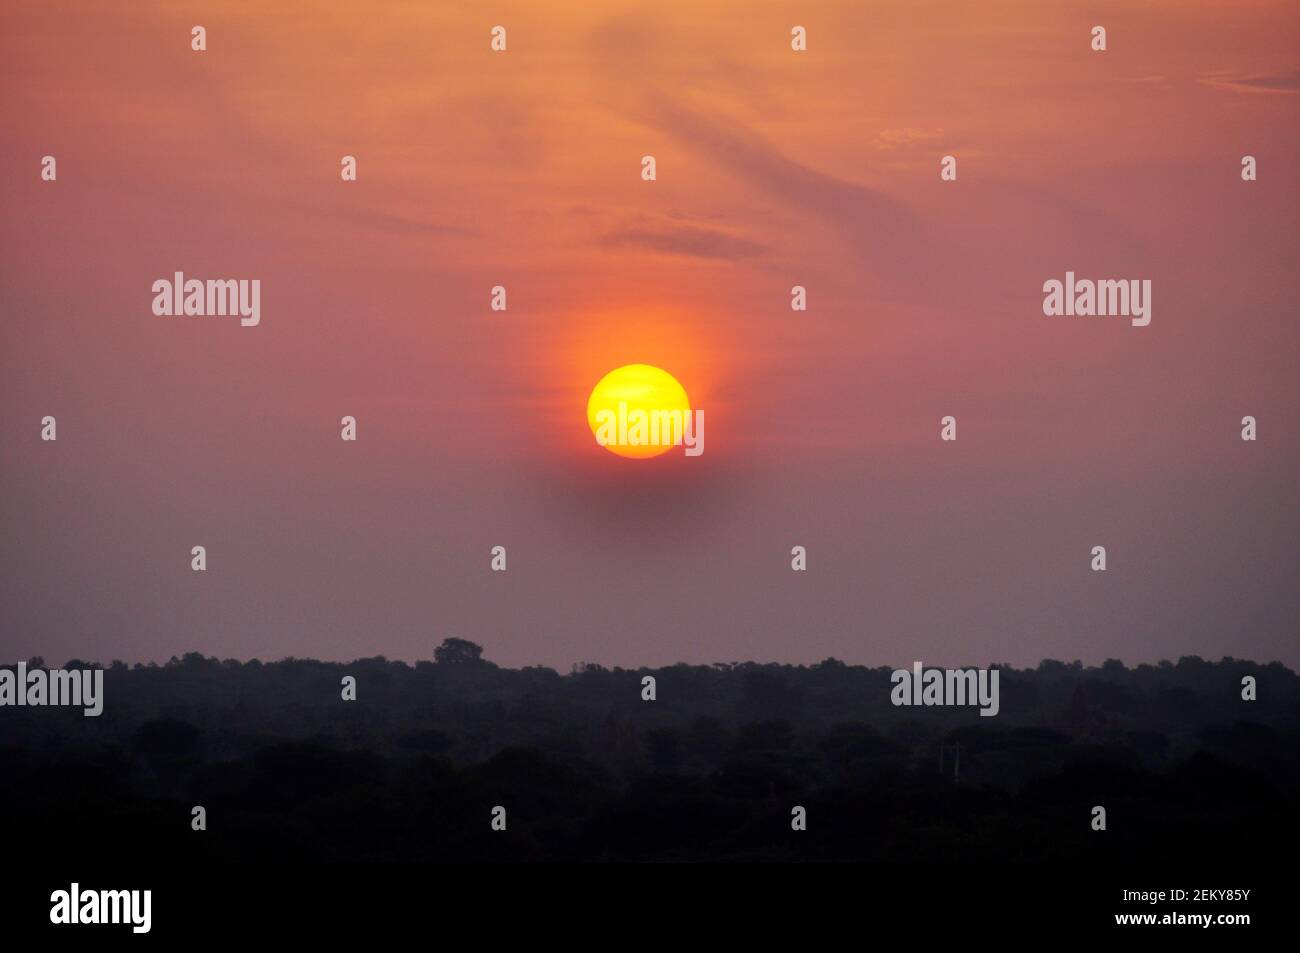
{"x": 774, "y": 169}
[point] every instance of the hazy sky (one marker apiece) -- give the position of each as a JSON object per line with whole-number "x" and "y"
{"x": 775, "y": 168}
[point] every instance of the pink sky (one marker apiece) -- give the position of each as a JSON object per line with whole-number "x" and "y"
{"x": 775, "y": 168}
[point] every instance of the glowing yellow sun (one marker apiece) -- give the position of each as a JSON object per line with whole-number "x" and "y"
{"x": 634, "y": 410}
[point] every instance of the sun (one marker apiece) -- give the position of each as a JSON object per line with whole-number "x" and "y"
{"x": 630, "y": 407}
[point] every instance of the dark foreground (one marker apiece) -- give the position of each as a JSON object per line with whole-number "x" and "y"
{"x": 712, "y": 769}
{"x": 335, "y": 808}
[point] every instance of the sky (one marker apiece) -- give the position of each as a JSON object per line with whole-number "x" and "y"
{"x": 774, "y": 168}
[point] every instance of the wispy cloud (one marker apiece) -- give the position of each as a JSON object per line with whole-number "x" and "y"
{"x": 1256, "y": 83}
{"x": 674, "y": 238}
{"x": 884, "y": 230}
{"x": 907, "y": 137}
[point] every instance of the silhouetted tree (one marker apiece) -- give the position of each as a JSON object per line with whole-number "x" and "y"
{"x": 457, "y": 652}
